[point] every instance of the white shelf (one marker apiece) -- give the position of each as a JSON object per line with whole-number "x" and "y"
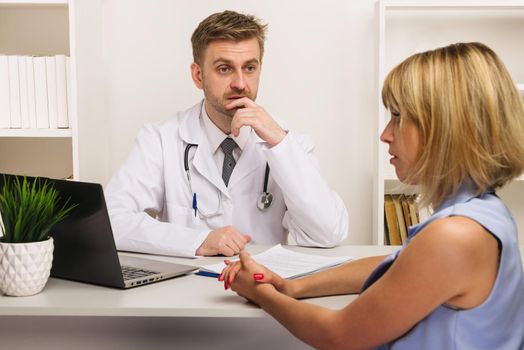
{"x": 36, "y": 133}
{"x": 38, "y": 28}
{"x": 520, "y": 87}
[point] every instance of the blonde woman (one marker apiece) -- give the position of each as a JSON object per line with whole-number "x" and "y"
{"x": 456, "y": 131}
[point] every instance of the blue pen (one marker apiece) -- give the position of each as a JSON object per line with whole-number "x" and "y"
{"x": 207, "y": 274}
{"x": 195, "y": 203}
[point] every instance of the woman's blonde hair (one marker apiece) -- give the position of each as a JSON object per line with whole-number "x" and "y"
{"x": 469, "y": 114}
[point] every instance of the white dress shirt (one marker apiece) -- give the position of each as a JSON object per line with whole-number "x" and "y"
{"x": 215, "y": 137}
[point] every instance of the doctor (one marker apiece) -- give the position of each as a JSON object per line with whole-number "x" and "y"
{"x": 224, "y": 172}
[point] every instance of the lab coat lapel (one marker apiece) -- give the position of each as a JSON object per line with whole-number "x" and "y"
{"x": 249, "y": 161}
{"x": 191, "y": 131}
{"x": 206, "y": 166}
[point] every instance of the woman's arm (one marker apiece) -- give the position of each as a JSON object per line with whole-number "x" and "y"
{"x": 344, "y": 279}
{"x": 453, "y": 260}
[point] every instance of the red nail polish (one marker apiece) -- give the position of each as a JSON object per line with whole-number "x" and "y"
{"x": 258, "y": 276}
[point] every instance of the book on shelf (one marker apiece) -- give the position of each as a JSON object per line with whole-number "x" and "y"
{"x": 61, "y": 91}
{"x": 34, "y": 92}
{"x": 392, "y": 229}
{"x": 401, "y": 219}
{"x": 24, "y": 94}
{"x": 413, "y": 211}
{"x": 405, "y": 209}
{"x": 5, "y": 112}
{"x": 31, "y": 104}
{"x": 52, "y": 104}
{"x": 14, "y": 92}
{"x": 42, "y": 114}
{"x": 69, "y": 91}
{"x": 401, "y": 211}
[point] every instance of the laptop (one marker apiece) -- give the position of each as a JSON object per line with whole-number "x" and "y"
{"x": 85, "y": 249}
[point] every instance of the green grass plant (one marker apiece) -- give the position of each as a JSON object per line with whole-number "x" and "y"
{"x": 30, "y": 209}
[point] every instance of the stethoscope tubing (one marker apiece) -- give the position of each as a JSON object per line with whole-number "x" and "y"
{"x": 265, "y": 198}
{"x": 186, "y": 165}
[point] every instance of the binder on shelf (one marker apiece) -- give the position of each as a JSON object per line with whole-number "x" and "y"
{"x": 14, "y": 92}
{"x": 40, "y": 75}
{"x": 31, "y": 104}
{"x": 51, "y": 92}
{"x": 61, "y": 91}
{"x": 413, "y": 212}
{"x": 24, "y": 94}
{"x": 5, "y": 109}
{"x": 405, "y": 210}
{"x": 400, "y": 212}
{"x": 393, "y": 232}
{"x": 69, "y": 91}
{"x": 401, "y": 220}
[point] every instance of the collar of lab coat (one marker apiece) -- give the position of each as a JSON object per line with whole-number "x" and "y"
{"x": 191, "y": 131}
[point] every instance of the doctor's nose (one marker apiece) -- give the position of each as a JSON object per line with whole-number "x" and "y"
{"x": 238, "y": 83}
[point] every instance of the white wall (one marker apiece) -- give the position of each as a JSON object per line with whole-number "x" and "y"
{"x": 318, "y": 74}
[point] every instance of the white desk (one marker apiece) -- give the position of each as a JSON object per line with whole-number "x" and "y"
{"x": 185, "y": 296}
{"x": 186, "y": 312}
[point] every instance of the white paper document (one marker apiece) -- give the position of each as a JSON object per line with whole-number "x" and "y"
{"x": 286, "y": 263}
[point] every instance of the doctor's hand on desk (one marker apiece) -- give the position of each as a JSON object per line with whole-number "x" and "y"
{"x": 250, "y": 114}
{"x": 248, "y": 279}
{"x": 227, "y": 241}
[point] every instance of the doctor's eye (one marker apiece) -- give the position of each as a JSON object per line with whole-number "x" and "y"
{"x": 223, "y": 69}
{"x": 250, "y": 68}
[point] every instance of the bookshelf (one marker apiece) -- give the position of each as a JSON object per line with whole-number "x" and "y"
{"x": 50, "y": 28}
{"x": 406, "y": 27}
{"x": 36, "y": 28}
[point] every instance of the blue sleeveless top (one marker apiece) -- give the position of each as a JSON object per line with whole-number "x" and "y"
{"x": 498, "y": 323}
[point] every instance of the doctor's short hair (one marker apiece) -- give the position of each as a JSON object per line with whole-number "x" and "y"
{"x": 227, "y": 25}
{"x": 469, "y": 114}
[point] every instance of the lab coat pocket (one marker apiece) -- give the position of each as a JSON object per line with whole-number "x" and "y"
{"x": 183, "y": 216}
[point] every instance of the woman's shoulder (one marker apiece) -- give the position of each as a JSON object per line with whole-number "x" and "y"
{"x": 460, "y": 233}
{"x": 462, "y": 250}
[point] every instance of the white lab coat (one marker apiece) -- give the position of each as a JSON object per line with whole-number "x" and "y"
{"x": 153, "y": 180}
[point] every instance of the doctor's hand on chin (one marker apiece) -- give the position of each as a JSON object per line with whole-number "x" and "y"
{"x": 250, "y": 114}
{"x": 226, "y": 241}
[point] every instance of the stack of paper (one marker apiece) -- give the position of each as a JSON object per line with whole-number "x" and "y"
{"x": 286, "y": 263}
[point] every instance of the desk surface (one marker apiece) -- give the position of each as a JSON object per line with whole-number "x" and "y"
{"x": 185, "y": 296}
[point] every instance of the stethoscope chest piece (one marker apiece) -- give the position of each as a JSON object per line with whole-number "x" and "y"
{"x": 264, "y": 201}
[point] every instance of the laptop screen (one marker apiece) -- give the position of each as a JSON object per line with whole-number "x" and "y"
{"x": 84, "y": 246}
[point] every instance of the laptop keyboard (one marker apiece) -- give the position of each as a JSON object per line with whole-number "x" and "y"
{"x": 130, "y": 272}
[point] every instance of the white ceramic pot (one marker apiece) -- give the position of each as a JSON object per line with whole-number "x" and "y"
{"x": 25, "y": 267}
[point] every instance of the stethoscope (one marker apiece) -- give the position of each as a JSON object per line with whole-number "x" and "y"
{"x": 263, "y": 202}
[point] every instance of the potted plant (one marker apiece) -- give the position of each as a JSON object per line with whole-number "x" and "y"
{"x": 29, "y": 209}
